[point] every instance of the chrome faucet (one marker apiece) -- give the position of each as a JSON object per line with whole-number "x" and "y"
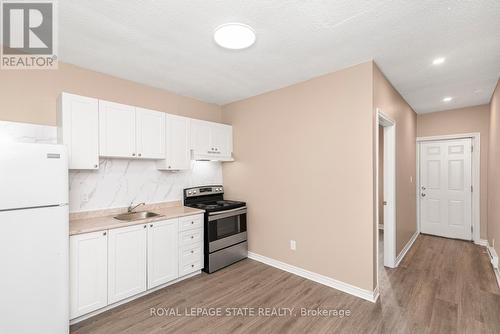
{"x": 131, "y": 208}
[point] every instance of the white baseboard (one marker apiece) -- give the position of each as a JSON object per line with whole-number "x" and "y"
{"x": 121, "y": 302}
{"x": 380, "y": 226}
{"x": 494, "y": 261}
{"x": 406, "y": 248}
{"x": 481, "y": 242}
{"x": 333, "y": 283}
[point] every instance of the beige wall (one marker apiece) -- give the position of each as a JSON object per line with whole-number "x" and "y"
{"x": 30, "y": 96}
{"x": 304, "y": 165}
{"x": 494, "y": 171}
{"x": 463, "y": 120}
{"x": 390, "y": 102}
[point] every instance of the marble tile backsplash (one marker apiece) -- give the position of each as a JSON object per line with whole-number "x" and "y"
{"x": 118, "y": 182}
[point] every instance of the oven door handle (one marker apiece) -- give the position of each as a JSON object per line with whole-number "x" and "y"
{"x": 226, "y": 213}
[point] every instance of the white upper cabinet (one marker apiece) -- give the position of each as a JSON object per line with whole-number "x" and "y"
{"x": 150, "y": 133}
{"x": 78, "y": 130}
{"x": 212, "y": 141}
{"x": 222, "y": 139}
{"x": 162, "y": 252}
{"x": 130, "y": 132}
{"x": 177, "y": 155}
{"x": 116, "y": 130}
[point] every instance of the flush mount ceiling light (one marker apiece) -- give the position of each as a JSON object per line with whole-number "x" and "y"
{"x": 447, "y": 99}
{"x": 438, "y": 61}
{"x": 234, "y": 36}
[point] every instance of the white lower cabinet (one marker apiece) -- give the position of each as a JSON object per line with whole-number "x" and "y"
{"x": 162, "y": 252}
{"x": 126, "y": 262}
{"x": 88, "y": 273}
{"x": 109, "y": 266}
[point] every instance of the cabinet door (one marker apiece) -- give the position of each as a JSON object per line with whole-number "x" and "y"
{"x": 78, "y": 130}
{"x": 162, "y": 252}
{"x": 150, "y": 132}
{"x": 126, "y": 262}
{"x": 116, "y": 130}
{"x": 200, "y": 137}
{"x": 177, "y": 144}
{"x": 88, "y": 273}
{"x": 222, "y": 139}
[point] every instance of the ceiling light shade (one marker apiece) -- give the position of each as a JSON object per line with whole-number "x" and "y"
{"x": 447, "y": 99}
{"x": 234, "y": 36}
{"x": 438, "y": 61}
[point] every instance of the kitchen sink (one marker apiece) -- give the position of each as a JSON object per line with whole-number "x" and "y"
{"x": 131, "y": 216}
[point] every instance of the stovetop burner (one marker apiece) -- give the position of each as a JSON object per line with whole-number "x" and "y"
{"x": 209, "y": 198}
{"x": 218, "y": 205}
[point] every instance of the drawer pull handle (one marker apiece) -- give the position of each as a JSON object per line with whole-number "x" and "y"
{"x": 192, "y": 252}
{"x": 192, "y": 266}
{"x": 192, "y": 223}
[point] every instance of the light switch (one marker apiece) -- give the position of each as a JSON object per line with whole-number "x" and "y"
{"x": 293, "y": 245}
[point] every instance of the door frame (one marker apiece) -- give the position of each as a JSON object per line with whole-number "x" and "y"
{"x": 389, "y": 188}
{"x": 476, "y": 178}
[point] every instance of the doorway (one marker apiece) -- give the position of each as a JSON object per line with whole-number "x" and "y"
{"x": 446, "y": 187}
{"x": 386, "y": 188}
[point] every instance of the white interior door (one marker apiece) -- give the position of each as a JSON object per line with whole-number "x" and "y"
{"x": 446, "y": 188}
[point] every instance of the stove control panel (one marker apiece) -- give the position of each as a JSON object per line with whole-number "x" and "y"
{"x": 202, "y": 191}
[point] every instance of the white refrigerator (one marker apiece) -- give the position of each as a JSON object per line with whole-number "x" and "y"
{"x": 34, "y": 279}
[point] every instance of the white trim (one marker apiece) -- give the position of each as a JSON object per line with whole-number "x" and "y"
{"x": 481, "y": 242}
{"x": 476, "y": 178}
{"x": 121, "y": 302}
{"x": 494, "y": 261}
{"x": 406, "y": 248}
{"x": 333, "y": 283}
{"x": 389, "y": 188}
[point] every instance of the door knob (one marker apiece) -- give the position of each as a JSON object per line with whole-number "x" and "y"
{"x": 423, "y": 188}
{"x": 423, "y": 195}
{"x": 385, "y": 202}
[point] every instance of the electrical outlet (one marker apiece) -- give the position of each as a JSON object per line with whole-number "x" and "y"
{"x": 293, "y": 245}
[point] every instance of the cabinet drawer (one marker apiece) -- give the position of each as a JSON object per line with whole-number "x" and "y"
{"x": 190, "y": 237}
{"x": 188, "y": 268}
{"x": 190, "y": 254}
{"x": 190, "y": 222}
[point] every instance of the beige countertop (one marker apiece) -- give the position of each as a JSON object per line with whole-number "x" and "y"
{"x": 93, "y": 221}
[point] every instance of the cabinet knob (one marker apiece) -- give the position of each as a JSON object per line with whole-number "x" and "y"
{"x": 103, "y": 233}
{"x": 151, "y": 225}
{"x": 95, "y": 166}
{"x": 145, "y": 226}
{"x": 192, "y": 266}
{"x": 169, "y": 167}
{"x": 192, "y": 237}
{"x": 192, "y": 252}
{"x": 140, "y": 154}
{"x": 192, "y": 223}
{"x": 133, "y": 154}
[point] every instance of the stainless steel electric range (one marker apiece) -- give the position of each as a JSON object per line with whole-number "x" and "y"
{"x": 225, "y": 232}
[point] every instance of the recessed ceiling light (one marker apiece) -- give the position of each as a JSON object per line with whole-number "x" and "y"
{"x": 447, "y": 99}
{"x": 234, "y": 36}
{"x": 438, "y": 61}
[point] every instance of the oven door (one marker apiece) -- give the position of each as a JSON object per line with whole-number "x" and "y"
{"x": 226, "y": 228}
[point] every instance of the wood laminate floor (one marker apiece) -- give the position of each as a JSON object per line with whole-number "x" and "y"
{"x": 441, "y": 286}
